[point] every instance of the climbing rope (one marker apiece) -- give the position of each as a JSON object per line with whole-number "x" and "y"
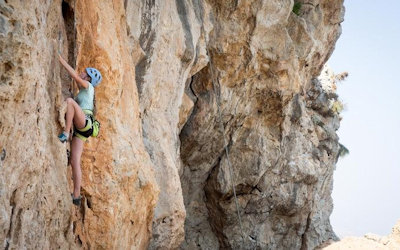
{"x": 217, "y": 98}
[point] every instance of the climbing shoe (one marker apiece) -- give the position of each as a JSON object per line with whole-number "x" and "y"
{"x": 76, "y": 201}
{"x": 63, "y": 137}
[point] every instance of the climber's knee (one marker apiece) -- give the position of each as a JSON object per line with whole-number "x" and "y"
{"x": 70, "y": 101}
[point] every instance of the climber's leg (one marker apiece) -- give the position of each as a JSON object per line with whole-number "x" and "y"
{"x": 76, "y": 152}
{"x": 75, "y": 113}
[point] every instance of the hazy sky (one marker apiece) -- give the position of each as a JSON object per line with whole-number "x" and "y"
{"x": 366, "y": 191}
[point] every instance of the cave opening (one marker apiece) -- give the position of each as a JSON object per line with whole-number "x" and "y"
{"x": 68, "y": 36}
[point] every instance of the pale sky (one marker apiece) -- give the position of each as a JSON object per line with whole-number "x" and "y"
{"x": 366, "y": 191}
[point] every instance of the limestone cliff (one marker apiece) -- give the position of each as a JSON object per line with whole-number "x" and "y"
{"x": 118, "y": 182}
{"x": 179, "y": 76}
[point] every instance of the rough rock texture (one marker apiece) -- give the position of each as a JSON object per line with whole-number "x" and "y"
{"x": 169, "y": 41}
{"x": 280, "y": 129}
{"x": 119, "y": 188}
{"x": 160, "y": 123}
{"x": 370, "y": 241}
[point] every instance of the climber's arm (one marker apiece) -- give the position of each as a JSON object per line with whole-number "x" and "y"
{"x": 73, "y": 74}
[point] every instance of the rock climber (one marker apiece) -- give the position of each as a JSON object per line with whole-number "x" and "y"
{"x": 80, "y": 113}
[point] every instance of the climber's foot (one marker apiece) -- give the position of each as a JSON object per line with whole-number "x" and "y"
{"x": 76, "y": 201}
{"x": 63, "y": 137}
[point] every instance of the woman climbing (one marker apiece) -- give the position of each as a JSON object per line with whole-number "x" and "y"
{"x": 80, "y": 113}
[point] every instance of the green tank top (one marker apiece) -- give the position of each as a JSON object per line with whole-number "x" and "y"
{"x": 85, "y": 98}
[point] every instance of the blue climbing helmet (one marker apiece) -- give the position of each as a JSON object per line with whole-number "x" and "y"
{"x": 95, "y": 75}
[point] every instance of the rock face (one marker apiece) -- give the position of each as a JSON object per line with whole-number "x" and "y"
{"x": 119, "y": 188}
{"x": 279, "y": 127}
{"x": 179, "y": 77}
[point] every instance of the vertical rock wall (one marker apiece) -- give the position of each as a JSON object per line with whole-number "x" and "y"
{"x": 121, "y": 190}
{"x": 265, "y": 60}
{"x": 172, "y": 37}
{"x": 118, "y": 182}
{"x": 35, "y": 200}
{"x": 157, "y": 176}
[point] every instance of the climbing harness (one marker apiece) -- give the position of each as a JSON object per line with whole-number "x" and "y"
{"x": 217, "y": 98}
{"x": 96, "y": 128}
{"x": 92, "y": 127}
